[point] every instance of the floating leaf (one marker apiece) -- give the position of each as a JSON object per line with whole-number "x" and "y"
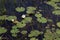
{"x": 20, "y": 9}
{"x": 24, "y": 32}
{"x": 14, "y": 34}
{"x": 21, "y": 25}
{"x": 34, "y": 33}
{"x": 56, "y": 12}
{"x": 42, "y": 20}
{"x": 53, "y": 4}
{"x": 30, "y": 10}
{"x": 48, "y": 35}
{"x": 58, "y": 24}
{"x": 0, "y": 38}
{"x": 49, "y": 20}
{"x": 3, "y": 17}
{"x": 2, "y": 30}
{"x": 33, "y": 38}
{"x": 14, "y": 27}
{"x": 11, "y": 17}
{"x": 58, "y": 31}
{"x": 38, "y": 15}
{"x": 55, "y": 0}
{"x": 27, "y": 20}
{"x": 14, "y": 31}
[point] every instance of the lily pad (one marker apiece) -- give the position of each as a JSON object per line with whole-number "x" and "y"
{"x": 34, "y": 33}
{"x": 20, "y": 9}
{"x": 2, "y": 30}
{"x": 58, "y": 24}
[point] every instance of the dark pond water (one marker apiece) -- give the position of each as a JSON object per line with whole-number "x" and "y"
{"x": 10, "y": 6}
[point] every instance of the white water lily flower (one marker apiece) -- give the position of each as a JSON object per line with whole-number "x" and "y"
{"x": 23, "y": 16}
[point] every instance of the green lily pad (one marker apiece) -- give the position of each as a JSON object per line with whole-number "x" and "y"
{"x": 58, "y": 24}
{"x": 56, "y": 12}
{"x": 3, "y": 17}
{"x": 2, "y": 30}
{"x": 33, "y": 38}
{"x": 24, "y": 32}
{"x": 14, "y": 31}
{"x": 14, "y": 34}
{"x": 11, "y": 17}
{"x": 30, "y": 10}
{"x": 20, "y": 9}
{"x": 21, "y": 25}
{"x": 34, "y": 33}
{"x": 38, "y": 15}
{"x": 58, "y": 31}
{"x": 42, "y": 20}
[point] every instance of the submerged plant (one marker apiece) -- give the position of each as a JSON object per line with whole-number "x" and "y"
{"x": 34, "y": 33}
{"x": 20, "y": 9}
{"x": 2, "y": 30}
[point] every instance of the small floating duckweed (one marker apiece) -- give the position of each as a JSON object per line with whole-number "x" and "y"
{"x": 58, "y": 24}
{"x": 33, "y": 38}
{"x": 11, "y": 18}
{"x": 20, "y": 9}
{"x": 42, "y": 20}
{"x": 56, "y": 12}
{"x": 24, "y": 32}
{"x": 34, "y": 33}
{"x": 2, "y": 30}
